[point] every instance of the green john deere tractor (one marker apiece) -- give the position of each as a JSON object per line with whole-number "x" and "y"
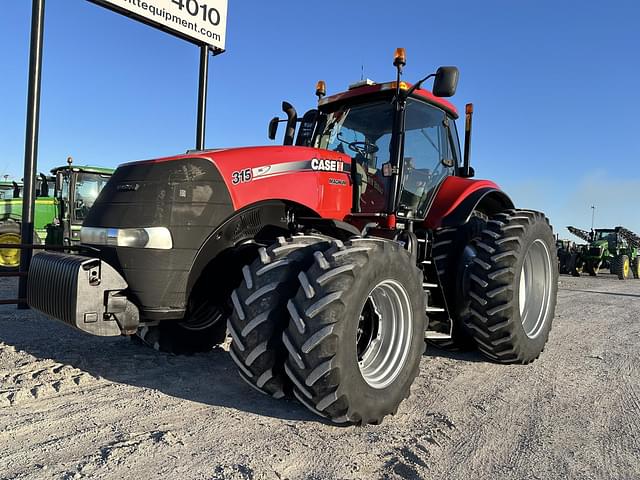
{"x": 62, "y": 202}
{"x": 617, "y": 249}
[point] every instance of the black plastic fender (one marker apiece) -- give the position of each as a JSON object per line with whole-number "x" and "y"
{"x": 487, "y": 200}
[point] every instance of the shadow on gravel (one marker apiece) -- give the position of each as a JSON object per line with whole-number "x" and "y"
{"x": 206, "y": 378}
{"x": 601, "y": 293}
{"x": 467, "y": 356}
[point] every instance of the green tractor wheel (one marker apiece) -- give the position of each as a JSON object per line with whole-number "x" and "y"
{"x": 621, "y": 266}
{"x": 592, "y": 268}
{"x": 635, "y": 267}
{"x": 9, "y": 257}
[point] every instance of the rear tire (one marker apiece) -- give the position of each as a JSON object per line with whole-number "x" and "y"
{"x": 514, "y": 287}
{"x": 621, "y": 266}
{"x": 260, "y": 311}
{"x": 350, "y": 358}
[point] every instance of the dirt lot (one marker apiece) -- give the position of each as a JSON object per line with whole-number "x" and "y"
{"x": 74, "y": 406}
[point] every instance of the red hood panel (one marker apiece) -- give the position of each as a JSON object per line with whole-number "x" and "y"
{"x": 318, "y": 179}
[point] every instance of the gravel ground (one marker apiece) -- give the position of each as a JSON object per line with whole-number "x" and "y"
{"x": 74, "y": 406}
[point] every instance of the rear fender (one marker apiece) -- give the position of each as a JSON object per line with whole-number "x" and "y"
{"x": 458, "y": 197}
{"x": 487, "y": 200}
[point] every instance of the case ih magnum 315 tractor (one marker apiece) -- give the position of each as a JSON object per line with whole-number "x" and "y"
{"x": 328, "y": 262}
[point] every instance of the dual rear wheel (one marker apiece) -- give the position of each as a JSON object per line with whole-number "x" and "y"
{"x": 338, "y": 325}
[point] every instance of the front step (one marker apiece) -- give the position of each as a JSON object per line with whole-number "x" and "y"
{"x": 433, "y": 335}
{"x": 435, "y": 310}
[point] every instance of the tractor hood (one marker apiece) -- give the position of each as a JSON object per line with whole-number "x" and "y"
{"x": 307, "y": 176}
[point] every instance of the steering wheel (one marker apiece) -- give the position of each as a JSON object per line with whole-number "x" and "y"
{"x": 363, "y": 148}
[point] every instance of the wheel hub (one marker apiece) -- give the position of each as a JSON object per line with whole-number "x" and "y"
{"x": 9, "y": 257}
{"x": 383, "y": 337}
{"x": 534, "y": 288}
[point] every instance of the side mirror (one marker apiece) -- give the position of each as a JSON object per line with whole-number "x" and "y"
{"x": 58, "y": 183}
{"x": 273, "y": 128}
{"x": 446, "y": 81}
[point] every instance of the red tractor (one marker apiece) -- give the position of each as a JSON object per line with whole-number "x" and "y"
{"x": 328, "y": 262}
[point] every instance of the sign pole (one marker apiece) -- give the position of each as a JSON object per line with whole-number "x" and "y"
{"x": 202, "y": 97}
{"x": 31, "y": 141}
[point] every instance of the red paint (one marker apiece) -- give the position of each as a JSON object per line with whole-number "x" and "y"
{"x": 369, "y": 89}
{"x": 309, "y": 188}
{"x": 453, "y": 192}
{"x": 313, "y": 188}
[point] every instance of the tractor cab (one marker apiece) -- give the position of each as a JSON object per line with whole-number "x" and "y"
{"x": 402, "y": 140}
{"x": 361, "y": 125}
{"x": 77, "y": 188}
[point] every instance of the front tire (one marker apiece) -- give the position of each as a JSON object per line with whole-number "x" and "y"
{"x": 356, "y": 334}
{"x": 202, "y": 329}
{"x": 592, "y": 268}
{"x": 514, "y": 287}
{"x": 575, "y": 265}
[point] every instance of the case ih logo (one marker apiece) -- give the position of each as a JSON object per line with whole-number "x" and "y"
{"x": 327, "y": 165}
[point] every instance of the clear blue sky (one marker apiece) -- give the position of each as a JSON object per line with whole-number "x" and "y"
{"x": 555, "y": 86}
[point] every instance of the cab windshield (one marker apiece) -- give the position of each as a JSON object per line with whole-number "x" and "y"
{"x": 364, "y": 133}
{"x": 88, "y": 186}
{"x": 603, "y": 234}
{"x": 6, "y": 191}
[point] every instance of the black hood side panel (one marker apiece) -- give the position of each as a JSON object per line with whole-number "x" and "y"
{"x": 187, "y": 196}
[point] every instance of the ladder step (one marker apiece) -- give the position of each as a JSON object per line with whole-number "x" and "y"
{"x": 433, "y": 335}
{"x": 426, "y": 262}
{"x": 435, "y": 309}
{"x": 429, "y": 285}
{"x": 421, "y": 240}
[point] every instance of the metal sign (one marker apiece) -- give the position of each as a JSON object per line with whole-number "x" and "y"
{"x": 200, "y": 21}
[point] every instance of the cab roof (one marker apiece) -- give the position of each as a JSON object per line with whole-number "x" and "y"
{"x": 84, "y": 168}
{"x": 371, "y": 89}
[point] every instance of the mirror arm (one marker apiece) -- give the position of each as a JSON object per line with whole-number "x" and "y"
{"x": 417, "y": 85}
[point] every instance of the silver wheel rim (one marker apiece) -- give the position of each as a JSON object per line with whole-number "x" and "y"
{"x": 534, "y": 292}
{"x": 384, "y": 334}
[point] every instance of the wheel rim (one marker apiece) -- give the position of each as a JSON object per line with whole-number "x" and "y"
{"x": 9, "y": 257}
{"x": 626, "y": 267}
{"x": 384, "y": 334}
{"x": 534, "y": 294}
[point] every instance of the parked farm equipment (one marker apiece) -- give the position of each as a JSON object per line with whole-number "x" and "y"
{"x": 617, "y": 249}
{"x": 62, "y": 202}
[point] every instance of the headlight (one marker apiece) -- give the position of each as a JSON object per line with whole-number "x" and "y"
{"x": 150, "y": 237}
